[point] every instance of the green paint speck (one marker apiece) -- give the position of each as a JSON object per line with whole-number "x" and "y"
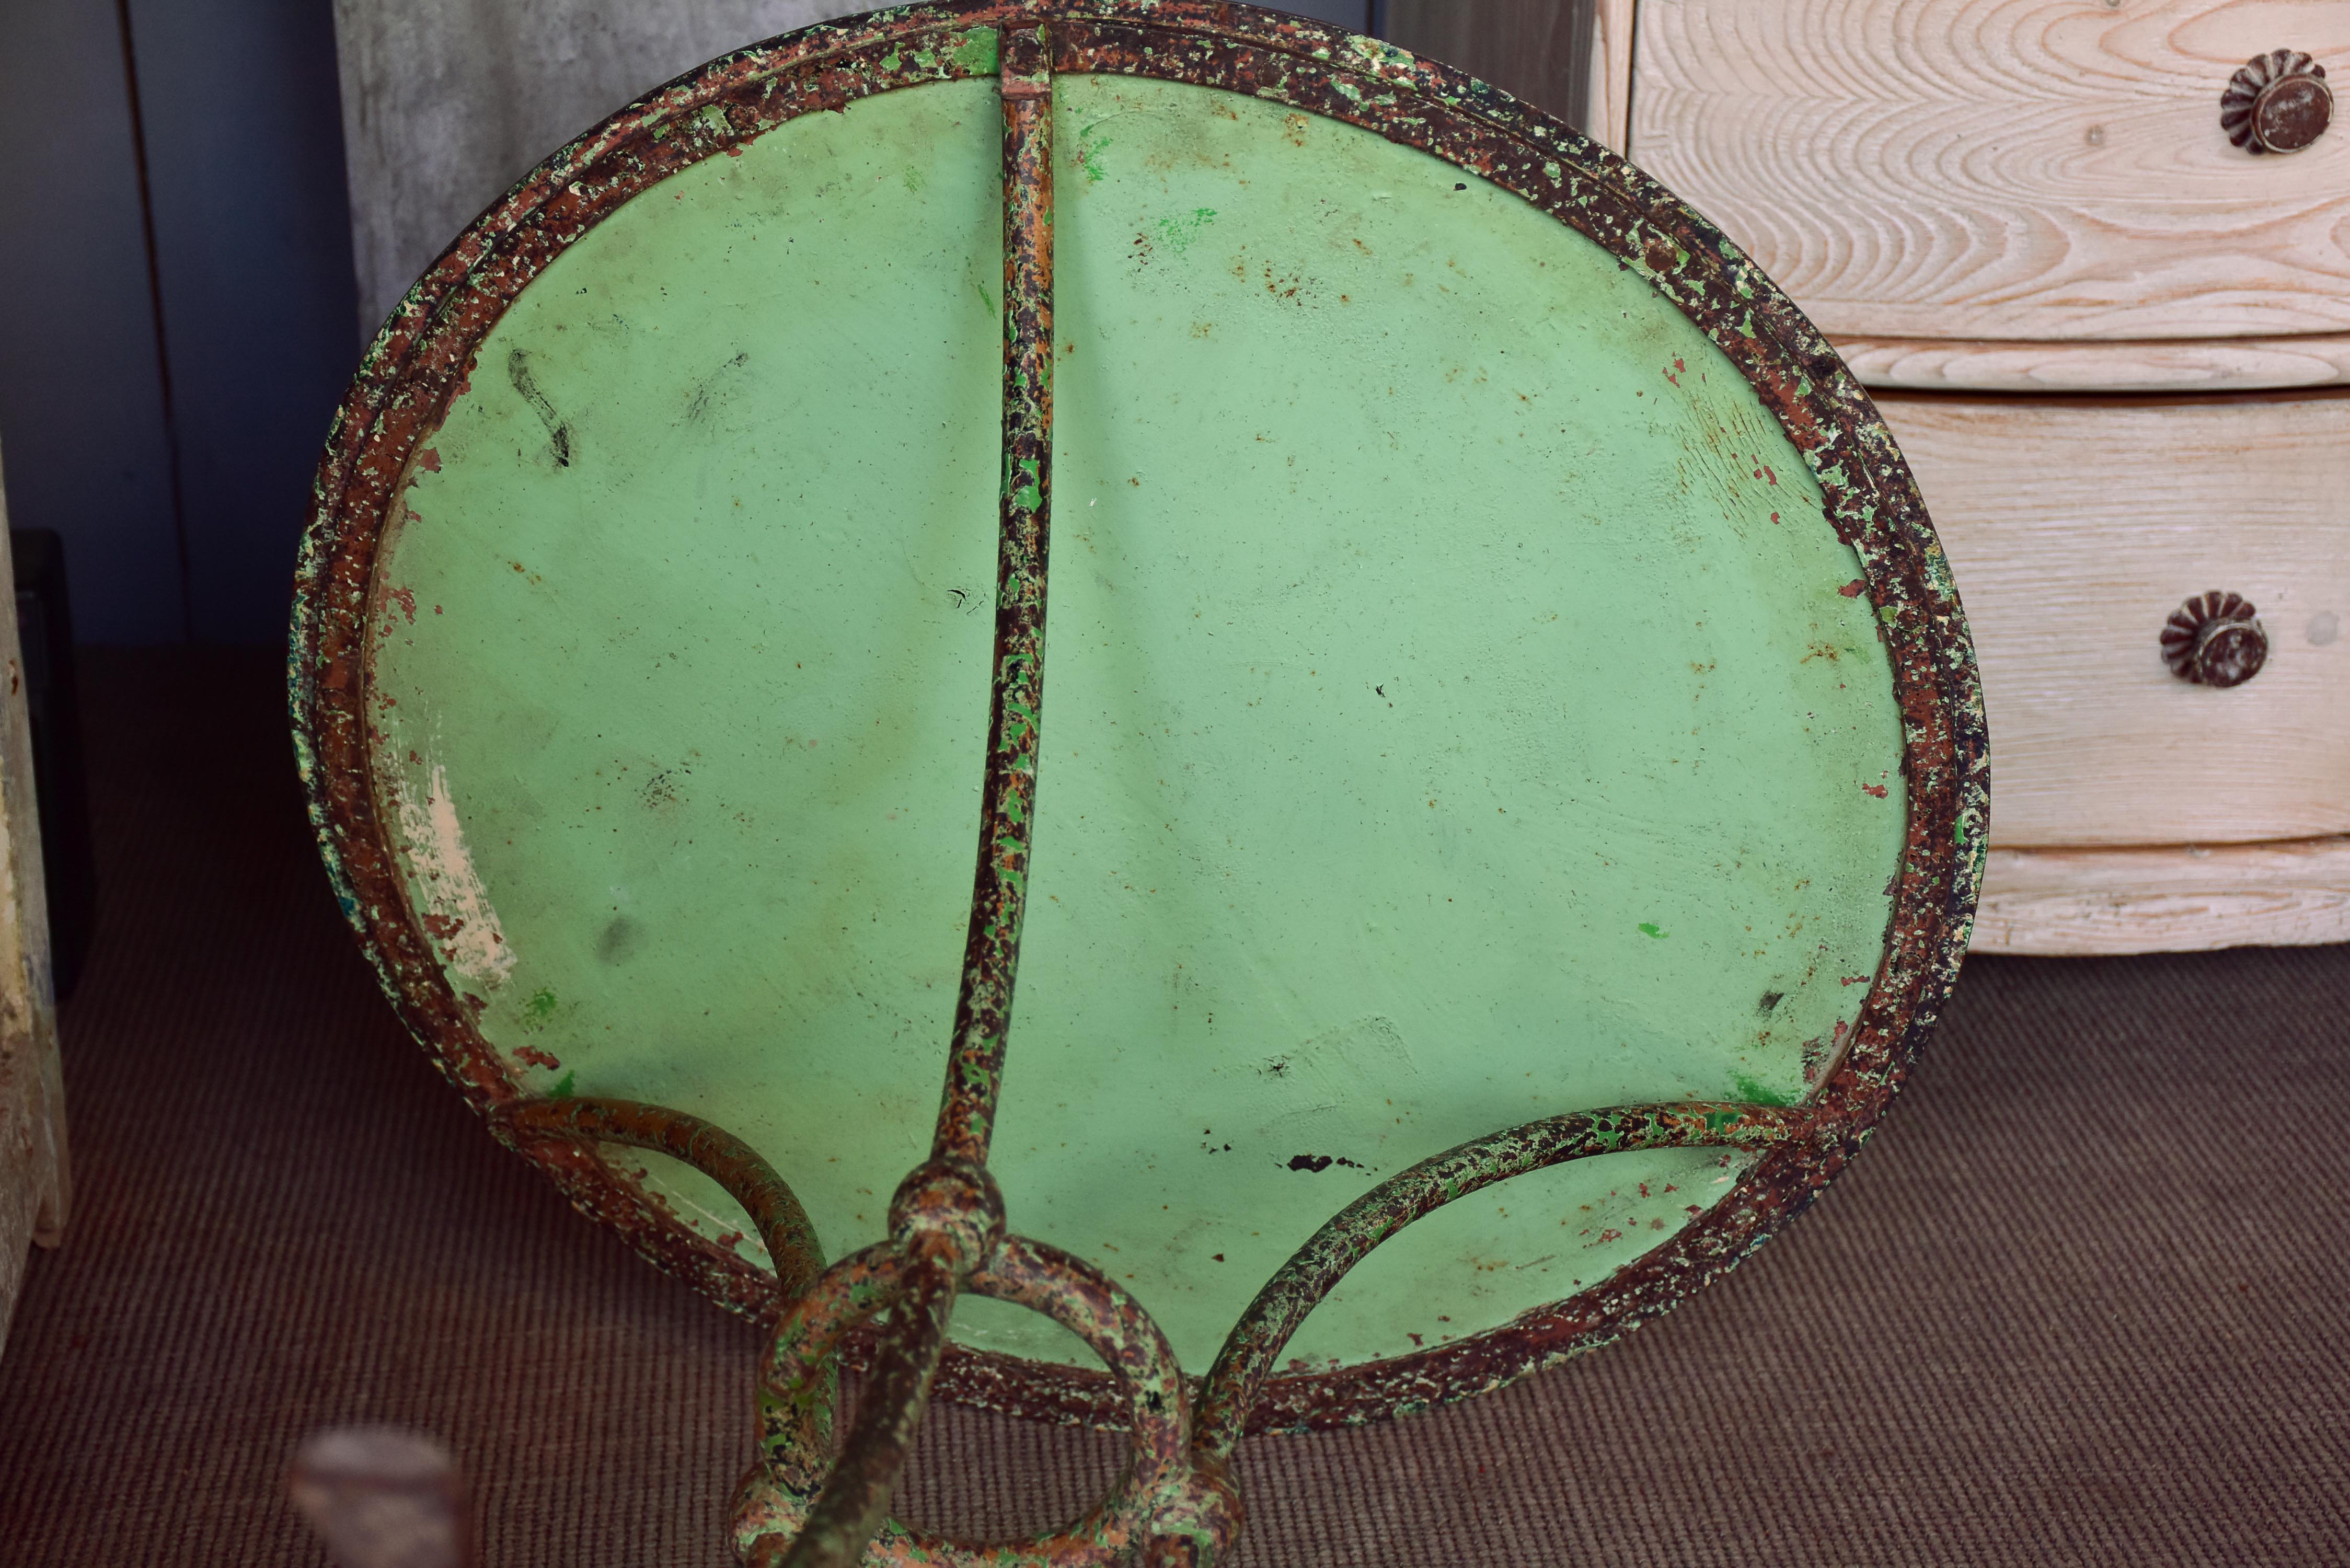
{"x": 1755, "y": 1091}
{"x": 562, "y": 1090}
{"x": 977, "y": 51}
{"x": 1648, "y": 929}
{"x": 1091, "y": 142}
{"x": 538, "y": 1011}
{"x": 1178, "y": 233}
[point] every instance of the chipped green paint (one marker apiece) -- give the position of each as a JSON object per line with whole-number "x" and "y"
{"x": 1649, "y": 928}
{"x": 975, "y": 53}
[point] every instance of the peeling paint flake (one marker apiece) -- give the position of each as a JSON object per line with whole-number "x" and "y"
{"x": 456, "y": 906}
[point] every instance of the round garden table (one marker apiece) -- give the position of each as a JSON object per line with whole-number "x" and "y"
{"x": 1509, "y": 762}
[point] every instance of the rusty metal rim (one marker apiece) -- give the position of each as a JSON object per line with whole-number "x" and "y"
{"x": 422, "y": 357}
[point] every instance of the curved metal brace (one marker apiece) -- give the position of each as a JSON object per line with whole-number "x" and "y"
{"x": 790, "y": 1514}
{"x": 1300, "y": 1286}
{"x": 791, "y": 1240}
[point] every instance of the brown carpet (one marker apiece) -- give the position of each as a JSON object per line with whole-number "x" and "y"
{"x": 2086, "y": 1299}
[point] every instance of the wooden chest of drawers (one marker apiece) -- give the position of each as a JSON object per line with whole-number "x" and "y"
{"x": 2115, "y": 346}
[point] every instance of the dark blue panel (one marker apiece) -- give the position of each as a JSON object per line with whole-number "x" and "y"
{"x": 81, "y": 416}
{"x": 244, "y": 156}
{"x": 1354, "y": 14}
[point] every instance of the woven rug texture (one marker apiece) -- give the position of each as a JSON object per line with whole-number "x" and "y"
{"x": 2085, "y": 1298}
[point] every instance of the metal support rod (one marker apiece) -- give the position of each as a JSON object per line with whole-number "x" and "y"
{"x": 1008, "y": 802}
{"x": 856, "y": 1500}
{"x": 947, "y": 1219}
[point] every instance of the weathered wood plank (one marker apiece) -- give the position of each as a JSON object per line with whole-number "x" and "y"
{"x": 2181, "y": 365}
{"x": 35, "y": 1185}
{"x": 448, "y": 102}
{"x": 2076, "y": 527}
{"x": 2069, "y": 902}
{"x": 1609, "y": 116}
{"x": 2002, "y": 169}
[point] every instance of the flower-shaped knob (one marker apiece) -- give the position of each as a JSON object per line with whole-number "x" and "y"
{"x": 2276, "y": 102}
{"x": 2215, "y": 640}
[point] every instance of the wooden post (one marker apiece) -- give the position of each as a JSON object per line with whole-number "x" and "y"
{"x": 35, "y": 1186}
{"x": 1608, "y": 119}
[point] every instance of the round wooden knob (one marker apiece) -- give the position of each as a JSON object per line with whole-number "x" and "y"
{"x": 2276, "y": 102}
{"x": 2215, "y": 640}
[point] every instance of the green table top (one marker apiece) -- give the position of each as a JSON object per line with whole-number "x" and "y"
{"x": 1460, "y": 707}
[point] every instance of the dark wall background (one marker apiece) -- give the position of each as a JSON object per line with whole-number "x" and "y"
{"x": 167, "y": 364}
{"x": 81, "y": 418}
{"x": 244, "y": 157}
{"x": 176, "y": 289}
{"x": 1538, "y": 49}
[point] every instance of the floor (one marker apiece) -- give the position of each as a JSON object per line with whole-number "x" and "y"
{"x": 2085, "y": 1298}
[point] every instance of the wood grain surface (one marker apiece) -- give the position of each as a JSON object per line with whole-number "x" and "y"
{"x": 2002, "y": 169}
{"x": 448, "y": 102}
{"x": 36, "y": 1187}
{"x": 2076, "y": 527}
{"x": 2181, "y": 365}
{"x": 1538, "y": 49}
{"x": 1609, "y": 114}
{"x": 2073, "y": 901}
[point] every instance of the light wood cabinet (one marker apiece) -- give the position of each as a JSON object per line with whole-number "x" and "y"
{"x": 2075, "y": 527}
{"x": 2114, "y": 345}
{"x": 2036, "y": 170}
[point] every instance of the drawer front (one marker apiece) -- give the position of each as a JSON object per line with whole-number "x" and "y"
{"x": 2181, "y": 897}
{"x": 2075, "y": 527}
{"x": 2015, "y": 168}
